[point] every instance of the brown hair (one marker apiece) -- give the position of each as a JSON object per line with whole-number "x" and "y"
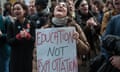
{"x": 23, "y": 6}
{"x": 109, "y": 2}
{"x": 99, "y": 4}
{"x": 52, "y": 12}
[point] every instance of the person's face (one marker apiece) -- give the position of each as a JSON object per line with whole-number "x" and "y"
{"x": 18, "y": 11}
{"x": 71, "y": 5}
{"x": 32, "y": 8}
{"x": 94, "y": 8}
{"x": 116, "y": 4}
{"x": 60, "y": 10}
{"x": 83, "y": 7}
{"x": 53, "y": 3}
{"x": 8, "y": 6}
{"x": 110, "y": 6}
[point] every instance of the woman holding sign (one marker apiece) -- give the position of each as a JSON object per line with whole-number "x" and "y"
{"x": 21, "y": 39}
{"x": 61, "y": 18}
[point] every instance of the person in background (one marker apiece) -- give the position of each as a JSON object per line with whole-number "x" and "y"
{"x": 42, "y": 14}
{"x": 31, "y": 8}
{"x": 71, "y": 7}
{"x": 4, "y": 47}
{"x": 112, "y": 28}
{"x": 7, "y": 9}
{"x": 39, "y": 19}
{"x": 97, "y": 9}
{"x": 53, "y": 4}
{"x": 88, "y": 22}
{"x": 108, "y": 6}
{"x": 21, "y": 37}
{"x": 107, "y": 16}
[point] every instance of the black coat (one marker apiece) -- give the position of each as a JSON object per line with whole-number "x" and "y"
{"x": 21, "y": 53}
{"x": 91, "y": 33}
{"x": 39, "y": 19}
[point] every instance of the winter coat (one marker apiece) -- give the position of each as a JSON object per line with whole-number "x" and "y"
{"x": 39, "y": 19}
{"x": 22, "y": 48}
{"x": 106, "y": 19}
{"x": 82, "y": 45}
{"x": 4, "y": 47}
{"x": 3, "y": 30}
{"x": 91, "y": 33}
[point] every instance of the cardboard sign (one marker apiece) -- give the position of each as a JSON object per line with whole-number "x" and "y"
{"x": 56, "y": 50}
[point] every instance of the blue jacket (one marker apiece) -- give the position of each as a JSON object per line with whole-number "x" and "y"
{"x": 113, "y": 28}
{"x": 4, "y": 47}
{"x": 3, "y": 29}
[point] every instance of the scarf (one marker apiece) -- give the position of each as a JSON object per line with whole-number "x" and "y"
{"x": 59, "y": 21}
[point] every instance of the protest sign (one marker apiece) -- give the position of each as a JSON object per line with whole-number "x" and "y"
{"x": 56, "y": 50}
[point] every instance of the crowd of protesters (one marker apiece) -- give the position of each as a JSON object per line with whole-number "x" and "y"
{"x": 93, "y": 21}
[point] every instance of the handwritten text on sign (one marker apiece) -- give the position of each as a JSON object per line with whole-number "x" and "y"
{"x": 56, "y": 50}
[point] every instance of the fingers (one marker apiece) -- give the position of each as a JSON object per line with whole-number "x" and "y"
{"x": 91, "y": 22}
{"x": 22, "y": 33}
{"x": 76, "y": 35}
{"x": 111, "y": 58}
{"x": 115, "y": 61}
